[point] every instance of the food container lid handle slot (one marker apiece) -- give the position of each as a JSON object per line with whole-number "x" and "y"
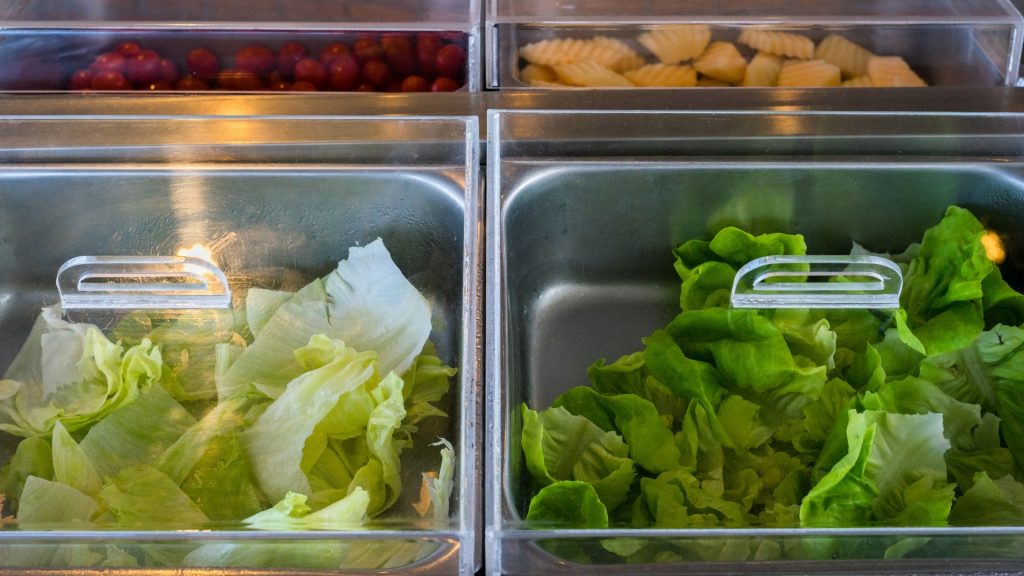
{"x": 818, "y": 282}
{"x": 142, "y": 282}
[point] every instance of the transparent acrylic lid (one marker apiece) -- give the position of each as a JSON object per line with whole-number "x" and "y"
{"x": 276, "y": 202}
{"x": 263, "y": 14}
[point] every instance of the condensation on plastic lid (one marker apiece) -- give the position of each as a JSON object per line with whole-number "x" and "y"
{"x": 844, "y": 282}
{"x": 142, "y": 282}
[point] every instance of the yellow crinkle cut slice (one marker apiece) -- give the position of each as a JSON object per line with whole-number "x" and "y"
{"x": 663, "y": 75}
{"x": 892, "y": 72}
{"x": 676, "y": 43}
{"x": 608, "y": 52}
{"x": 810, "y": 73}
{"x": 778, "y": 43}
{"x": 591, "y": 75}
{"x": 858, "y": 82}
{"x": 851, "y": 58}
{"x": 722, "y": 61}
{"x": 763, "y": 70}
{"x": 537, "y": 73}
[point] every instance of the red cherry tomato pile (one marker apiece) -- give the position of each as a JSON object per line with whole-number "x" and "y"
{"x": 390, "y": 62}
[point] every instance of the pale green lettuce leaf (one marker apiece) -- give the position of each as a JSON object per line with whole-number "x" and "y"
{"x": 381, "y": 477}
{"x": 52, "y": 505}
{"x": 807, "y": 335}
{"x": 426, "y": 383}
{"x": 292, "y": 513}
{"x": 70, "y": 464}
{"x": 269, "y": 362}
{"x": 372, "y": 306}
{"x": 260, "y": 306}
{"x": 146, "y": 497}
{"x": 677, "y": 499}
{"x": 185, "y": 453}
{"x": 561, "y": 446}
{"x": 32, "y": 457}
{"x": 137, "y": 433}
{"x": 439, "y": 487}
{"x": 689, "y": 379}
{"x": 273, "y": 442}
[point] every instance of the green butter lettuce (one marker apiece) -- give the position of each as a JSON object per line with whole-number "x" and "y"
{"x": 797, "y": 418}
{"x": 561, "y": 446}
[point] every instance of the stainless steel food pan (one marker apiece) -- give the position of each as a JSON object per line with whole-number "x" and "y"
{"x": 584, "y": 211}
{"x": 279, "y": 202}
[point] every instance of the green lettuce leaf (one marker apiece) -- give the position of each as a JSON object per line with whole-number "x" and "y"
{"x": 981, "y": 452}
{"x": 271, "y": 443}
{"x": 143, "y": 496}
{"x": 637, "y": 420}
{"x": 676, "y": 498}
{"x": 32, "y": 457}
{"x": 692, "y": 380}
{"x": 568, "y": 504}
{"x": 752, "y": 356}
{"x": 942, "y": 290}
{"x": 73, "y": 374}
{"x": 440, "y": 487}
{"x": 630, "y": 375}
{"x": 561, "y": 446}
{"x": 990, "y": 372}
{"x": 220, "y": 483}
{"x": 70, "y": 464}
{"x": 1001, "y": 303}
{"x": 894, "y": 472}
{"x": 990, "y": 503}
{"x": 292, "y": 513}
{"x": 137, "y": 433}
{"x": 381, "y": 476}
{"x": 807, "y": 335}
{"x": 48, "y": 505}
{"x": 426, "y": 383}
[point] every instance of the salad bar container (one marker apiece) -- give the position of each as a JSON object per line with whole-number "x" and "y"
{"x": 240, "y": 46}
{"x": 139, "y": 228}
{"x": 596, "y": 220}
{"x": 541, "y": 44}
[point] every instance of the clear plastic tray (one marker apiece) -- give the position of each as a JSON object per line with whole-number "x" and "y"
{"x": 277, "y": 202}
{"x": 49, "y": 45}
{"x": 583, "y": 213}
{"x": 947, "y": 43}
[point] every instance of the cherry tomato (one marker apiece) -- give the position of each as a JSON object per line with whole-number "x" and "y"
{"x": 302, "y": 86}
{"x": 144, "y": 68}
{"x": 108, "y": 62}
{"x": 343, "y": 73}
{"x": 159, "y": 86}
{"x": 81, "y": 80}
{"x": 376, "y": 73}
{"x": 239, "y": 80}
{"x": 110, "y": 80}
{"x": 128, "y": 49}
{"x": 365, "y": 88}
{"x": 399, "y": 54}
{"x": 332, "y": 51}
{"x": 192, "y": 84}
{"x": 427, "y": 47}
{"x": 312, "y": 71}
{"x": 202, "y": 63}
{"x": 169, "y": 71}
{"x": 444, "y": 84}
{"x": 259, "y": 60}
{"x": 288, "y": 55}
{"x": 450, "y": 60}
{"x": 367, "y": 50}
{"x": 415, "y": 84}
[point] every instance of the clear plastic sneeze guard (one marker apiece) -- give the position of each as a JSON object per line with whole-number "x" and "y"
{"x": 716, "y": 340}
{"x": 221, "y": 389}
{"x": 240, "y": 46}
{"x": 946, "y": 43}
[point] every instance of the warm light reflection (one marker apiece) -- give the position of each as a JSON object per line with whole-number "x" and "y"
{"x": 993, "y": 247}
{"x": 198, "y": 251}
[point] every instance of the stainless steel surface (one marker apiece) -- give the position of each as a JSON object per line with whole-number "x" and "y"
{"x": 281, "y": 210}
{"x": 580, "y": 232}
